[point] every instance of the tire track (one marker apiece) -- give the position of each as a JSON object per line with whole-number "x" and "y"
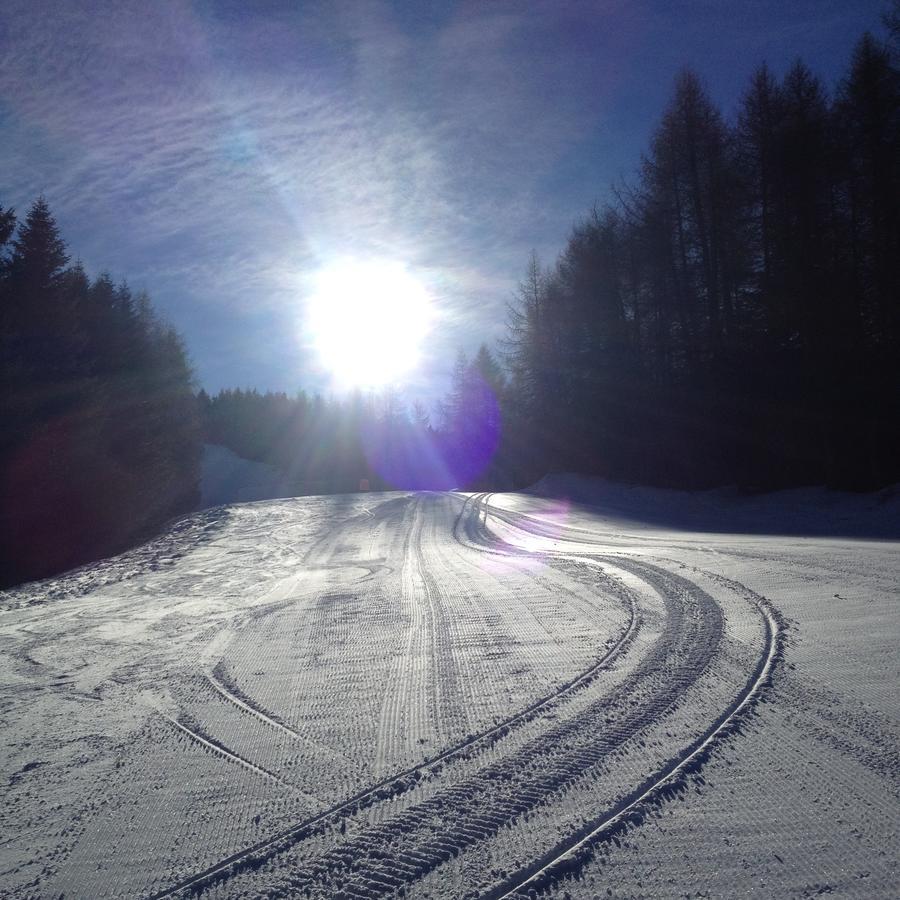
{"x": 497, "y": 629}
{"x": 572, "y": 853}
{"x": 392, "y": 726}
{"x": 217, "y": 679}
{"x": 189, "y": 729}
{"x": 568, "y": 856}
{"x": 445, "y": 683}
{"x": 381, "y": 859}
{"x": 255, "y": 855}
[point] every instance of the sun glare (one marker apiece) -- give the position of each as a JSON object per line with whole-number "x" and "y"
{"x": 368, "y": 321}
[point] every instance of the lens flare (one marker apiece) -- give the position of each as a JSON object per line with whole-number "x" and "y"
{"x": 410, "y": 458}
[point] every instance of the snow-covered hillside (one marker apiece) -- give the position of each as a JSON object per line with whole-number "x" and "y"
{"x": 445, "y": 695}
{"x": 227, "y": 478}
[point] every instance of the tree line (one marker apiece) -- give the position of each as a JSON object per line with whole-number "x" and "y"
{"x": 100, "y": 438}
{"x": 734, "y": 315}
{"x": 326, "y": 445}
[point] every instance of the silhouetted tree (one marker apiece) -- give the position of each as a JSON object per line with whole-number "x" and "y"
{"x": 734, "y": 315}
{"x": 99, "y": 442}
{"x": 731, "y": 317}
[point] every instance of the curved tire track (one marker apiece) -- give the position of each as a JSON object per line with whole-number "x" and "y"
{"x": 194, "y": 734}
{"x": 570, "y": 855}
{"x": 399, "y": 782}
{"x": 229, "y": 692}
{"x": 382, "y": 859}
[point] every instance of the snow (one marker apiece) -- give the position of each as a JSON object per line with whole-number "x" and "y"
{"x": 808, "y": 511}
{"x": 588, "y": 688}
{"x": 228, "y": 478}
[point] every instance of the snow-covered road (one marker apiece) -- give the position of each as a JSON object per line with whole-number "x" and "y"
{"x": 451, "y": 695}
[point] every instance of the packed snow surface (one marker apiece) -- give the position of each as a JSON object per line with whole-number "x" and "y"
{"x": 585, "y": 690}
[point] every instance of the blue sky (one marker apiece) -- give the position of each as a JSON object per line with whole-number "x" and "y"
{"x": 218, "y": 153}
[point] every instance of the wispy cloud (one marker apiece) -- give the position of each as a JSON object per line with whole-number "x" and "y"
{"x": 217, "y": 152}
{"x": 174, "y": 150}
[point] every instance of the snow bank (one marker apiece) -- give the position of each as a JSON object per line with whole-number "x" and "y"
{"x": 227, "y": 478}
{"x": 814, "y": 511}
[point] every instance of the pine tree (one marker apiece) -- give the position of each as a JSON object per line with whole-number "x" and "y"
{"x": 868, "y": 113}
{"x": 39, "y": 253}
{"x": 99, "y": 444}
{"x": 758, "y": 133}
{"x": 7, "y": 225}
{"x": 39, "y": 330}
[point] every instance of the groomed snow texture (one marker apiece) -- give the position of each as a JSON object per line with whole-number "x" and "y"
{"x": 585, "y": 690}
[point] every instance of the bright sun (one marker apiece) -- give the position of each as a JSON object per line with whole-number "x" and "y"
{"x": 368, "y": 321}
